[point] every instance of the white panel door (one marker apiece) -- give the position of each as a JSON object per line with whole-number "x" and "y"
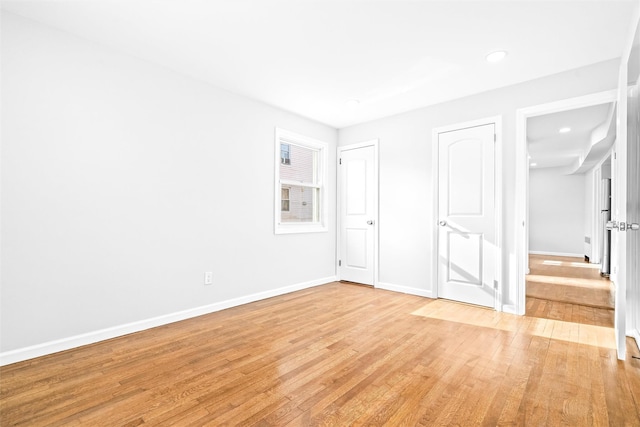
{"x": 625, "y": 217}
{"x": 619, "y": 238}
{"x": 358, "y": 213}
{"x": 633, "y": 206}
{"x": 466, "y": 215}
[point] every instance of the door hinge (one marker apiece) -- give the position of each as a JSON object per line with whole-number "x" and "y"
{"x": 340, "y": 161}
{"x": 339, "y": 263}
{"x": 495, "y": 284}
{"x": 495, "y": 138}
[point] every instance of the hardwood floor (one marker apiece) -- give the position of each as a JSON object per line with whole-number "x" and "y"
{"x": 569, "y": 280}
{"x": 337, "y": 355}
{"x": 569, "y": 289}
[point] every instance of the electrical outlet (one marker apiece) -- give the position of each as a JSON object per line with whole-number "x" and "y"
{"x": 208, "y": 278}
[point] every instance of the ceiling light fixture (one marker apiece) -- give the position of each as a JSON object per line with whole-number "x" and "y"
{"x": 565, "y": 130}
{"x": 352, "y": 103}
{"x": 496, "y": 56}
{"x": 533, "y": 164}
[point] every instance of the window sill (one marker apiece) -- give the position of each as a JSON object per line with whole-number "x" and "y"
{"x": 298, "y": 228}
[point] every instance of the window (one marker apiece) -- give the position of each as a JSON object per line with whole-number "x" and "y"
{"x": 299, "y": 180}
{"x": 284, "y": 202}
{"x": 285, "y": 154}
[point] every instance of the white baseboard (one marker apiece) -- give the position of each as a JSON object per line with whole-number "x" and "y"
{"x": 405, "y": 289}
{"x": 55, "y": 346}
{"x": 510, "y": 308}
{"x": 556, "y": 254}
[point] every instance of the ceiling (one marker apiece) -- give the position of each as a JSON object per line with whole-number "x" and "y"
{"x": 310, "y": 56}
{"x": 548, "y": 147}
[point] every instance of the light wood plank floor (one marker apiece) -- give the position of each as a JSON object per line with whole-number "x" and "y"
{"x": 335, "y": 355}
{"x": 568, "y": 280}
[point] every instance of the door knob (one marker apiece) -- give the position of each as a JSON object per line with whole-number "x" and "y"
{"x": 443, "y": 223}
{"x": 371, "y": 222}
{"x": 623, "y": 226}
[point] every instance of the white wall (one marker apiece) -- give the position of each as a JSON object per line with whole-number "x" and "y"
{"x": 406, "y": 221}
{"x": 556, "y": 212}
{"x": 123, "y": 182}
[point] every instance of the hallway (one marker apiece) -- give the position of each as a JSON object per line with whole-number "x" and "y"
{"x": 569, "y": 289}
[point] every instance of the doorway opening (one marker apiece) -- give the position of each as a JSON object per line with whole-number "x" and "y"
{"x": 569, "y": 206}
{"x": 524, "y": 163}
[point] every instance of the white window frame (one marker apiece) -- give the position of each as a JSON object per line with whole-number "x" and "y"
{"x": 286, "y": 137}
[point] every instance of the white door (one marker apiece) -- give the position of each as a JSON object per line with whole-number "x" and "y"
{"x": 619, "y": 238}
{"x": 466, "y": 215}
{"x": 357, "y": 206}
{"x": 626, "y": 201}
{"x": 626, "y": 205}
{"x": 633, "y": 206}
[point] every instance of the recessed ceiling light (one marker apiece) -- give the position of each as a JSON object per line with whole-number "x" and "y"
{"x": 352, "y": 103}
{"x": 533, "y": 164}
{"x": 496, "y": 56}
{"x": 565, "y": 130}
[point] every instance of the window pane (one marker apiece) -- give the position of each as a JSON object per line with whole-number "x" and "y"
{"x": 303, "y": 165}
{"x": 285, "y": 154}
{"x": 284, "y": 199}
{"x": 302, "y": 205}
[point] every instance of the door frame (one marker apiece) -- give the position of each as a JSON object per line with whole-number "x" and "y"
{"x": 521, "y": 225}
{"x": 596, "y": 213}
{"x": 375, "y": 144}
{"x": 497, "y": 170}
{"x": 597, "y": 234}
